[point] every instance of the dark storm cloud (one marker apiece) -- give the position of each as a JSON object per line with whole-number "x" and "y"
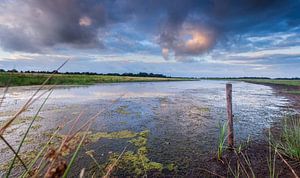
{"x": 219, "y": 19}
{"x": 184, "y": 28}
{"x": 30, "y": 25}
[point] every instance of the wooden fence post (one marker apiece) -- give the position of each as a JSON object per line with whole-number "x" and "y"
{"x": 229, "y": 115}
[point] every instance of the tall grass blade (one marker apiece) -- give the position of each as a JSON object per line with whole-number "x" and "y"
{"x": 221, "y": 140}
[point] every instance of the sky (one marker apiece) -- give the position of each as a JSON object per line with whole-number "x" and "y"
{"x": 193, "y": 38}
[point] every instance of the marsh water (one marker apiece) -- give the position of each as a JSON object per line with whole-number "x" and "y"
{"x": 183, "y": 117}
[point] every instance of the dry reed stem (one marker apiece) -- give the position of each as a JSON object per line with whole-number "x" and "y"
{"x": 107, "y": 175}
{"x": 291, "y": 169}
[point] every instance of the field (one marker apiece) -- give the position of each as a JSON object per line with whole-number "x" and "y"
{"x": 274, "y": 82}
{"x": 23, "y": 79}
{"x": 285, "y": 86}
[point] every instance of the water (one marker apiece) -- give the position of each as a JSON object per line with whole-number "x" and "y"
{"x": 182, "y": 117}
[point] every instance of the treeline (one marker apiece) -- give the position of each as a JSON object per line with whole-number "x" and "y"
{"x": 140, "y": 74}
{"x": 293, "y": 78}
{"x": 233, "y": 78}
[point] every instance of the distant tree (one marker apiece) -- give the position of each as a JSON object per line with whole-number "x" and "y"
{"x": 13, "y": 70}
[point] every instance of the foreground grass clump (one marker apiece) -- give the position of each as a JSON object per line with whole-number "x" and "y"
{"x": 23, "y": 79}
{"x": 221, "y": 140}
{"x": 289, "y": 144}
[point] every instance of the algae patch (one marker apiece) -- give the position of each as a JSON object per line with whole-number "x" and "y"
{"x": 131, "y": 163}
{"x": 94, "y": 137}
{"x": 123, "y": 110}
{"x": 112, "y": 135}
{"x": 136, "y": 162}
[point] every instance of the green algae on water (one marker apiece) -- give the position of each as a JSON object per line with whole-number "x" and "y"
{"x": 136, "y": 163}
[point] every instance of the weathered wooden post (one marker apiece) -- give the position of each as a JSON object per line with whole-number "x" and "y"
{"x": 229, "y": 115}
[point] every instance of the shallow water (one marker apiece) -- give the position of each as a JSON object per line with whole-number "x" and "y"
{"x": 183, "y": 117}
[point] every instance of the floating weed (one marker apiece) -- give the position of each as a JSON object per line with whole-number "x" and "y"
{"x": 163, "y": 99}
{"x": 28, "y": 140}
{"x": 123, "y": 123}
{"x": 137, "y": 163}
{"x": 203, "y": 110}
{"x": 171, "y": 167}
{"x": 123, "y": 110}
{"x": 36, "y": 127}
{"x": 26, "y": 156}
{"x": 112, "y": 135}
{"x": 94, "y": 137}
{"x": 7, "y": 113}
{"x": 23, "y": 120}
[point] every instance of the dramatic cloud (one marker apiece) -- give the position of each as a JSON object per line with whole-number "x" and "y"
{"x": 189, "y": 41}
{"x": 32, "y": 25}
{"x": 174, "y": 30}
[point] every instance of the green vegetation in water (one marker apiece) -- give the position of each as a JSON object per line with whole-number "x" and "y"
{"x": 131, "y": 163}
{"x": 94, "y": 137}
{"x": 123, "y": 110}
{"x": 137, "y": 163}
{"x": 26, "y": 156}
{"x": 171, "y": 167}
{"x": 23, "y": 79}
{"x": 22, "y": 120}
{"x": 113, "y": 135}
{"x": 36, "y": 127}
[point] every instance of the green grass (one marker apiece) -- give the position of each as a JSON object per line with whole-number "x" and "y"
{"x": 221, "y": 140}
{"x": 23, "y": 79}
{"x": 273, "y": 81}
{"x": 295, "y": 92}
{"x": 289, "y": 144}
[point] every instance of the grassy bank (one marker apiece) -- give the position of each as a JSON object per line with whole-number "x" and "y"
{"x": 273, "y": 81}
{"x": 23, "y": 79}
{"x": 286, "y": 86}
